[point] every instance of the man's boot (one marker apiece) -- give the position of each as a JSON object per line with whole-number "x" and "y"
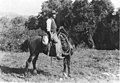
{"x": 59, "y": 57}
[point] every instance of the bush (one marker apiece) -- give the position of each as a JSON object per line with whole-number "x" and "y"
{"x": 12, "y": 38}
{"x": 14, "y": 33}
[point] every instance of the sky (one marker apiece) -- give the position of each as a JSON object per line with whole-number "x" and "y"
{"x": 30, "y": 7}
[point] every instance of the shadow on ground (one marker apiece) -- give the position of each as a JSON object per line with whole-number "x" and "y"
{"x": 9, "y": 70}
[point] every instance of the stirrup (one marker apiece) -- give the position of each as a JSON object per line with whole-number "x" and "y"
{"x": 49, "y": 46}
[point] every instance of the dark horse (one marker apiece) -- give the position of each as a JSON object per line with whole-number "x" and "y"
{"x": 36, "y": 46}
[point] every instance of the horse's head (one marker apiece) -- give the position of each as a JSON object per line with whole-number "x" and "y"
{"x": 67, "y": 42}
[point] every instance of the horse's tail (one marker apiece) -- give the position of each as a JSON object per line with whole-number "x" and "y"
{"x": 24, "y": 46}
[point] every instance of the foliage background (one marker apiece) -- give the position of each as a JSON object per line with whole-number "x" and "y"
{"x": 97, "y": 17}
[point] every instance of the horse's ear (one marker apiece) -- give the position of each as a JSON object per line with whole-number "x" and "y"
{"x": 61, "y": 27}
{"x": 59, "y": 30}
{"x": 65, "y": 31}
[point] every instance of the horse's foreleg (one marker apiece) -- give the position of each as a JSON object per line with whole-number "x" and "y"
{"x": 64, "y": 64}
{"x": 68, "y": 65}
{"x": 64, "y": 69}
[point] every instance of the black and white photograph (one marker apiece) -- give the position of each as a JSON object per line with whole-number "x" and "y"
{"x": 59, "y": 41}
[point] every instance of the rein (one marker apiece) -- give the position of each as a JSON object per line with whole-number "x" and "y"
{"x": 60, "y": 34}
{"x": 66, "y": 39}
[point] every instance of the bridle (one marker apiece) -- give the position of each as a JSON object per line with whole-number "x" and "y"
{"x": 62, "y": 35}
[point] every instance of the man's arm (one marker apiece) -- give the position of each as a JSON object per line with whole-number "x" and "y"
{"x": 49, "y": 28}
{"x": 49, "y": 21}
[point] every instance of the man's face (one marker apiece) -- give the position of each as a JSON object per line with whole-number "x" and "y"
{"x": 46, "y": 17}
{"x": 54, "y": 15}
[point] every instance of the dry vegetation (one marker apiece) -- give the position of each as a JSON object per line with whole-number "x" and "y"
{"x": 87, "y": 66}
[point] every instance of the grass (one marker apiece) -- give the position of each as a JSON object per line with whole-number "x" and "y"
{"x": 86, "y": 65}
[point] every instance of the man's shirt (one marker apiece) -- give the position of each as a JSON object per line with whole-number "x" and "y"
{"x": 51, "y": 25}
{"x": 49, "y": 22}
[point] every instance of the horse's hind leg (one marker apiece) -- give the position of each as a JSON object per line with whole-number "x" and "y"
{"x": 34, "y": 63}
{"x": 28, "y": 63}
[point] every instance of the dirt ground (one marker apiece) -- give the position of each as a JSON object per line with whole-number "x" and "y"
{"x": 87, "y": 66}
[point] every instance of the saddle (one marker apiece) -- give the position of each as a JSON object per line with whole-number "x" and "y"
{"x": 45, "y": 40}
{"x": 66, "y": 48}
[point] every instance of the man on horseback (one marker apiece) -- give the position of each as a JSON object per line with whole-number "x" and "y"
{"x": 51, "y": 28}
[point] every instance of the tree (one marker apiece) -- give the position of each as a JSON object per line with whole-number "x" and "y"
{"x": 102, "y": 7}
{"x": 63, "y": 8}
{"x": 5, "y": 22}
{"x": 18, "y": 21}
{"x": 106, "y": 22}
{"x": 31, "y": 23}
{"x": 114, "y": 30}
{"x": 81, "y": 17}
{"x": 83, "y": 14}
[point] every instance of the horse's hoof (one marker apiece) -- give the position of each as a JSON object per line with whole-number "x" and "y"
{"x": 70, "y": 76}
{"x": 27, "y": 74}
{"x": 35, "y": 72}
{"x": 61, "y": 79}
{"x": 65, "y": 75}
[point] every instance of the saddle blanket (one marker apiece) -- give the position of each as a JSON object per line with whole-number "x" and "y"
{"x": 45, "y": 40}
